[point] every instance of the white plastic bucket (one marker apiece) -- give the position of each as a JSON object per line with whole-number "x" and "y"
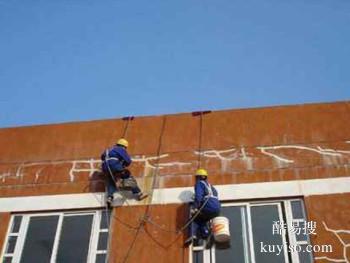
{"x": 220, "y": 229}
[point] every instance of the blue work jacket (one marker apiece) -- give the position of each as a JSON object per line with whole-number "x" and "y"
{"x": 115, "y": 158}
{"x": 203, "y": 191}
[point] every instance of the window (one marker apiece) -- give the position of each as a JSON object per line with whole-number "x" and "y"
{"x": 253, "y": 227}
{"x": 57, "y": 237}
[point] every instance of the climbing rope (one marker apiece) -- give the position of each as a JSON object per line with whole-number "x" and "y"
{"x": 146, "y": 216}
{"x": 200, "y": 114}
{"x": 156, "y": 172}
{"x": 179, "y": 231}
{"x": 125, "y": 130}
{"x": 127, "y": 119}
{"x": 116, "y": 218}
{"x": 193, "y": 217}
{"x": 200, "y": 140}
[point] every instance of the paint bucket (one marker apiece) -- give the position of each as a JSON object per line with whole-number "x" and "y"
{"x": 220, "y": 229}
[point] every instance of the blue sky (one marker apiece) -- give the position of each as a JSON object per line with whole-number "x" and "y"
{"x": 81, "y": 60}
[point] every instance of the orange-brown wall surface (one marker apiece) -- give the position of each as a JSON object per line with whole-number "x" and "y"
{"x": 158, "y": 242}
{"x": 149, "y": 243}
{"x": 238, "y": 146}
{"x": 4, "y": 222}
{"x": 332, "y": 216}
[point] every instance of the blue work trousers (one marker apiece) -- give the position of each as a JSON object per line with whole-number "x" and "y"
{"x": 201, "y": 224}
{"x": 113, "y": 175}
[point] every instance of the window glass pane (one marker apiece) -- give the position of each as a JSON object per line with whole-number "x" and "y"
{"x": 304, "y": 256}
{"x": 16, "y": 224}
{"x": 105, "y": 219}
{"x": 297, "y": 209}
{"x": 198, "y": 257}
{"x": 238, "y": 248}
{"x": 101, "y": 258}
{"x": 75, "y": 239}
{"x": 39, "y": 240}
{"x": 11, "y": 244}
{"x": 301, "y": 237}
{"x": 262, "y": 222}
{"x": 7, "y": 260}
{"x": 102, "y": 241}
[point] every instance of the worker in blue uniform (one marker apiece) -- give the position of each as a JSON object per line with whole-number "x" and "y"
{"x": 114, "y": 163}
{"x": 206, "y": 206}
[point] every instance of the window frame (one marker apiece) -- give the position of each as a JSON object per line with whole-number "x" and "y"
{"x": 22, "y": 233}
{"x": 285, "y": 210}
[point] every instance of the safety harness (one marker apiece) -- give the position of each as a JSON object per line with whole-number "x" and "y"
{"x": 126, "y": 183}
{"x": 210, "y": 193}
{"x": 108, "y": 158}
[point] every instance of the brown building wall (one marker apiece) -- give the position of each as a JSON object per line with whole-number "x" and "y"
{"x": 158, "y": 242}
{"x": 4, "y": 223}
{"x": 332, "y": 216}
{"x": 238, "y": 146}
{"x": 300, "y": 124}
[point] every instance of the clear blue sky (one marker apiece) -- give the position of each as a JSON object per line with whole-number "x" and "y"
{"x": 81, "y": 60}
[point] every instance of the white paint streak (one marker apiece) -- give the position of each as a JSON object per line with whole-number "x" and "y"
{"x": 344, "y": 244}
{"x": 74, "y": 168}
{"x": 147, "y": 160}
{"x": 331, "y": 259}
{"x": 92, "y": 167}
{"x": 92, "y": 163}
{"x": 37, "y": 174}
{"x": 337, "y": 152}
{"x": 71, "y": 174}
{"x": 180, "y": 164}
{"x": 19, "y": 171}
{"x": 329, "y": 152}
{"x": 244, "y": 155}
{"x": 225, "y": 160}
{"x": 3, "y": 176}
{"x": 225, "y": 156}
{"x": 218, "y": 154}
{"x": 248, "y": 160}
{"x": 263, "y": 150}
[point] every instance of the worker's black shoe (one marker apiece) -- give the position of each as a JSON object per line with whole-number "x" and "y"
{"x": 140, "y": 196}
{"x": 109, "y": 201}
{"x": 209, "y": 241}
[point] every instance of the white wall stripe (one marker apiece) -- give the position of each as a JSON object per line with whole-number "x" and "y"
{"x": 180, "y": 195}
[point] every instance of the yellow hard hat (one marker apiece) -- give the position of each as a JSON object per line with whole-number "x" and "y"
{"x": 123, "y": 142}
{"x": 201, "y": 172}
